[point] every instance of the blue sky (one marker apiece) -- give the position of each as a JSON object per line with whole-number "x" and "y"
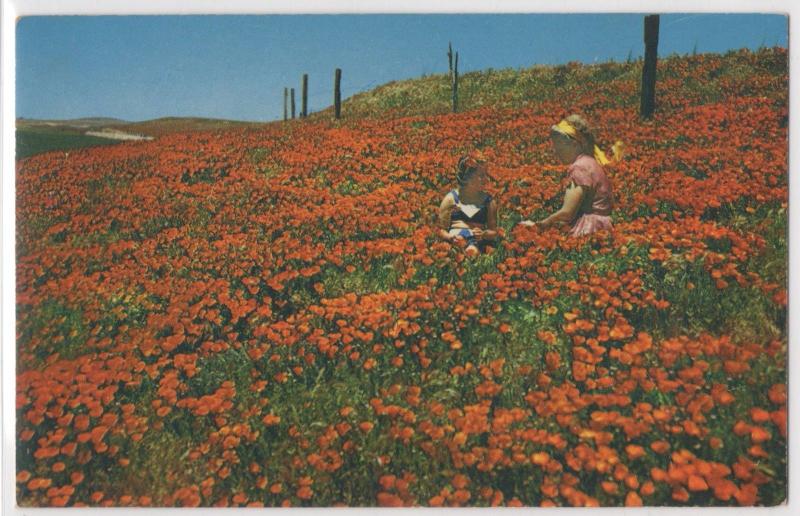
{"x": 143, "y": 67}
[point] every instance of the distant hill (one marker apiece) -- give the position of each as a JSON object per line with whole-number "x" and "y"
{"x": 37, "y": 136}
{"x": 77, "y": 123}
{"x": 147, "y": 127}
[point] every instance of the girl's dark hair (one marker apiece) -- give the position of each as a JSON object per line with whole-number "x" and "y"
{"x": 466, "y": 168}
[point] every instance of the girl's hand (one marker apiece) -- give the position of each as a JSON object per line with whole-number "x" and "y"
{"x": 478, "y": 232}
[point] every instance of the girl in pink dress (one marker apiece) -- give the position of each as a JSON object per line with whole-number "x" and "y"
{"x": 589, "y": 199}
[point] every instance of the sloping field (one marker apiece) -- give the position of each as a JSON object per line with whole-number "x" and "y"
{"x": 264, "y": 316}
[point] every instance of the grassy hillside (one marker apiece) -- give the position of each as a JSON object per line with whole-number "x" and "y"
{"x": 512, "y": 88}
{"x": 166, "y": 125}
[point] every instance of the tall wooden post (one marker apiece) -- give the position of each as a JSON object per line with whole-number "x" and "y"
{"x": 285, "y": 103}
{"x": 292, "y": 95}
{"x": 453, "y": 75}
{"x": 337, "y": 93}
{"x": 455, "y": 84}
{"x": 304, "y": 112}
{"x": 648, "y": 101}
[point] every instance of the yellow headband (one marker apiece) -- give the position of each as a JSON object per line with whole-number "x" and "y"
{"x": 567, "y": 129}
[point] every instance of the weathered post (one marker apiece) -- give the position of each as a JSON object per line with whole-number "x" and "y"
{"x": 337, "y": 93}
{"x": 455, "y": 84}
{"x": 292, "y": 103}
{"x": 648, "y": 101}
{"x": 450, "y": 59}
{"x": 453, "y": 75}
{"x": 285, "y": 103}
{"x": 304, "y": 112}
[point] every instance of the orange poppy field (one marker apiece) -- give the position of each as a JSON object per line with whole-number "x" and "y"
{"x": 265, "y": 316}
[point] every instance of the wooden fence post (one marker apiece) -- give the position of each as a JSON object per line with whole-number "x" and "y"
{"x": 648, "y": 100}
{"x": 292, "y": 90}
{"x": 285, "y": 103}
{"x": 337, "y": 93}
{"x": 304, "y": 112}
{"x": 450, "y": 60}
{"x": 453, "y": 75}
{"x": 455, "y": 84}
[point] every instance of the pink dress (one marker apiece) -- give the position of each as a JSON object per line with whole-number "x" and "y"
{"x": 598, "y": 200}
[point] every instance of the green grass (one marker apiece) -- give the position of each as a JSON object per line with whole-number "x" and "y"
{"x": 61, "y": 329}
{"x": 32, "y": 141}
{"x": 526, "y": 87}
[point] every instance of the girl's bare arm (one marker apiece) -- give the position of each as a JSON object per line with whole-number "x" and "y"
{"x": 445, "y": 208}
{"x": 572, "y": 203}
{"x": 490, "y": 233}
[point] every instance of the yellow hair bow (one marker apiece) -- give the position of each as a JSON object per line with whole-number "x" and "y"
{"x": 568, "y": 129}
